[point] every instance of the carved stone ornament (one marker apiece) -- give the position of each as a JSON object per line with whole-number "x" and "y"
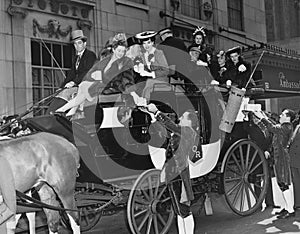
{"x": 84, "y": 24}
{"x": 52, "y": 29}
{"x": 17, "y": 11}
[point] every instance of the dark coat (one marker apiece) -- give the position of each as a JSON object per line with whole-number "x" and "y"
{"x": 119, "y": 76}
{"x": 86, "y": 62}
{"x": 295, "y": 150}
{"x": 282, "y": 134}
{"x": 219, "y": 73}
{"x": 176, "y": 53}
{"x": 179, "y": 150}
{"x": 238, "y": 78}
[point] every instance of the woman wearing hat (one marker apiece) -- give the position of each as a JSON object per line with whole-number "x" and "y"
{"x": 113, "y": 74}
{"x": 238, "y": 69}
{"x": 154, "y": 65}
{"x": 199, "y": 41}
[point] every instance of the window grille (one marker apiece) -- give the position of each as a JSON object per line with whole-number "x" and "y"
{"x": 139, "y": 1}
{"x": 191, "y": 8}
{"x": 47, "y": 73}
{"x": 235, "y": 14}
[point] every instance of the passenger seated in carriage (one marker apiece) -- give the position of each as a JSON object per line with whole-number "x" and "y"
{"x": 113, "y": 74}
{"x": 182, "y": 139}
{"x": 154, "y": 65}
{"x": 199, "y": 42}
{"x": 82, "y": 62}
{"x": 237, "y": 69}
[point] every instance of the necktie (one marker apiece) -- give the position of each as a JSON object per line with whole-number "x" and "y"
{"x": 77, "y": 61}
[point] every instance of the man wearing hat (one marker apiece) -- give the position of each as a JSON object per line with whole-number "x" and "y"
{"x": 175, "y": 51}
{"x": 82, "y": 62}
{"x": 238, "y": 69}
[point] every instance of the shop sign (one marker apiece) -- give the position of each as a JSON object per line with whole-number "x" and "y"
{"x": 281, "y": 79}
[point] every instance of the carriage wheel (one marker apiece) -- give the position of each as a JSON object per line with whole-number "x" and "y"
{"x": 88, "y": 218}
{"x": 245, "y": 177}
{"x": 149, "y": 208}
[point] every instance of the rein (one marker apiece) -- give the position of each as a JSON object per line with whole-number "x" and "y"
{"x": 39, "y": 204}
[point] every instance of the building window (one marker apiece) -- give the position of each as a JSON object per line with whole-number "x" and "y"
{"x": 191, "y": 8}
{"x": 50, "y": 62}
{"x": 138, "y": 1}
{"x": 235, "y": 14}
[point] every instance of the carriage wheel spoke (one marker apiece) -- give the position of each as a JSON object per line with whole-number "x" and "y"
{"x": 143, "y": 221}
{"x": 252, "y": 191}
{"x": 136, "y": 215}
{"x": 150, "y": 187}
{"x": 237, "y": 162}
{"x": 161, "y": 219}
{"x": 165, "y": 200}
{"x": 233, "y": 179}
{"x": 247, "y": 155}
{"x": 242, "y": 158}
{"x": 242, "y": 197}
{"x": 237, "y": 193}
{"x": 256, "y": 166}
{"x": 233, "y": 188}
{"x": 149, "y": 224}
{"x": 253, "y": 157}
{"x": 156, "y": 188}
{"x": 162, "y": 192}
{"x": 247, "y": 195}
{"x": 145, "y": 194}
{"x": 234, "y": 171}
{"x": 155, "y": 223}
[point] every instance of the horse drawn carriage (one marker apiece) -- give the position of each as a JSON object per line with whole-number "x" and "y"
{"x": 120, "y": 165}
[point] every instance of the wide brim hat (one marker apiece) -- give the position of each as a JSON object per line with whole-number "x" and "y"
{"x": 164, "y": 31}
{"x": 133, "y": 41}
{"x": 77, "y": 34}
{"x": 235, "y": 49}
{"x": 145, "y": 35}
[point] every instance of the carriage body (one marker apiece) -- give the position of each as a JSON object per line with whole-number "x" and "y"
{"x": 116, "y": 164}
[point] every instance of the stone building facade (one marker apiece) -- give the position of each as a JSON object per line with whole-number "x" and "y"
{"x": 282, "y": 20}
{"x": 35, "y": 35}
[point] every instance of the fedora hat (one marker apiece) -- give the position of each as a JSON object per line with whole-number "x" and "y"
{"x": 77, "y": 34}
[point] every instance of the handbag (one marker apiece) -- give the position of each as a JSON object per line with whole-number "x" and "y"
{"x": 5, "y": 213}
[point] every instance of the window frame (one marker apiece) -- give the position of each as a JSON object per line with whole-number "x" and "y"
{"x": 235, "y": 15}
{"x": 131, "y": 3}
{"x": 41, "y": 89}
{"x": 191, "y": 8}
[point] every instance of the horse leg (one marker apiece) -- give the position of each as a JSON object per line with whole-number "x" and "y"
{"x": 74, "y": 225}
{"x": 68, "y": 202}
{"x": 48, "y": 196}
{"x": 31, "y": 220}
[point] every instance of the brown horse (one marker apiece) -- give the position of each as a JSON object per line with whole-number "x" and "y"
{"x": 48, "y": 159}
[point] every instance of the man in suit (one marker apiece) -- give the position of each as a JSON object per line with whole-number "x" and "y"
{"x": 182, "y": 145}
{"x": 175, "y": 52}
{"x": 295, "y": 163}
{"x": 83, "y": 61}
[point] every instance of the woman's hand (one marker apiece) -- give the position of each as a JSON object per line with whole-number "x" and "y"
{"x": 70, "y": 84}
{"x": 201, "y": 63}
